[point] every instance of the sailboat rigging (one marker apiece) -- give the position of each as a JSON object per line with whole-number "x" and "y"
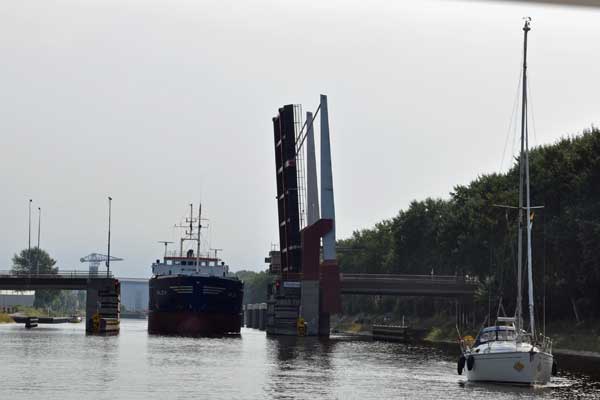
{"x": 506, "y": 352}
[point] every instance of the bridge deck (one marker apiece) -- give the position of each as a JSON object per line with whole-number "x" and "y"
{"x": 68, "y": 280}
{"x": 103, "y": 299}
{"x": 407, "y": 285}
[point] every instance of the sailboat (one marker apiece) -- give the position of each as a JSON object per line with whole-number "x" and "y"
{"x": 506, "y": 352}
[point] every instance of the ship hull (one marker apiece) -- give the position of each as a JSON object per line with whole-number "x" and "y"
{"x": 194, "y": 306}
{"x": 186, "y": 323}
{"x": 522, "y": 368}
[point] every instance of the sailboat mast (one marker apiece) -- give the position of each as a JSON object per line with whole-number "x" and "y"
{"x": 526, "y": 29}
{"x": 522, "y": 161}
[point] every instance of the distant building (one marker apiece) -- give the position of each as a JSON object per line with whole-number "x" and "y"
{"x": 11, "y": 298}
{"x": 134, "y": 294}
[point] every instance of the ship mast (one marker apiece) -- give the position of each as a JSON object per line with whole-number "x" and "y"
{"x": 189, "y": 230}
{"x": 199, "y": 229}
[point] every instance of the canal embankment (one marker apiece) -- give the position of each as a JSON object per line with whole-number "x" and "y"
{"x": 581, "y": 340}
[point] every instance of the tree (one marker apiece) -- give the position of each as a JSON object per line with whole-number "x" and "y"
{"x": 29, "y": 262}
{"x": 255, "y": 285}
{"x": 467, "y": 234}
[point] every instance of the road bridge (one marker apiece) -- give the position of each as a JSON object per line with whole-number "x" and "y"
{"x": 408, "y": 285}
{"x": 103, "y": 300}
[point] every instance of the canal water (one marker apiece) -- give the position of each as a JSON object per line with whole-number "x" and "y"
{"x": 61, "y": 362}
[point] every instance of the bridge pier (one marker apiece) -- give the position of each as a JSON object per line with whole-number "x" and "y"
{"x": 255, "y": 316}
{"x": 309, "y": 306}
{"x": 103, "y": 306}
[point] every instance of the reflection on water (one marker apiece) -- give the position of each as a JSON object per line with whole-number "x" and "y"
{"x": 299, "y": 366}
{"x": 61, "y": 362}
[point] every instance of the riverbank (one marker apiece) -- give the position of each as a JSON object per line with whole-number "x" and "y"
{"x": 5, "y": 318}
{"x": 568, "y": 339}
{"x": 40, "y": 312}
{"x": 35, "y": 312}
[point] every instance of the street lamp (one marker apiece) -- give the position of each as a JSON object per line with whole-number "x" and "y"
{"x": 37, "y": 262}
{"x": 39, "y": 225}
{"x": 108, "y": 255}
{"x": 29, "y": 235}
{"x": 29, "y": 241}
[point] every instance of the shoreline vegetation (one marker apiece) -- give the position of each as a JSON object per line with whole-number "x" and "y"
{"x": 583, "y": 342}
{"x": 35, "y": 312}
{"x": 5, "y": 318}
{"x": 473, "y": 233}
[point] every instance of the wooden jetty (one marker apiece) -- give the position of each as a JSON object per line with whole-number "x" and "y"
{"x": 390, "y": 332}
{"x": 396, "y": 333}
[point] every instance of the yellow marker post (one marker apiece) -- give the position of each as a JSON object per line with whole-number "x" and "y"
{"x": 301, "y": 326}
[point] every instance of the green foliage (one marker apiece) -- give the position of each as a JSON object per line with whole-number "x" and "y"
{"x": 68, "y": 302}
{"x": 5, "y": 318}
{"x": 467, "y": 234}
{"x": 435, "y": 335}
{"x": 255, "y": 285}
{"x": 31, "y": 311}
{"x": 60, "y": 302}
{"x": 34, "y": 260}
{"x": 30, "y": 261}
{"x": 585, "y": 338}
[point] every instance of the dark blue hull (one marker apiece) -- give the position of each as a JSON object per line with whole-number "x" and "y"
{"x": 194, "y": 305}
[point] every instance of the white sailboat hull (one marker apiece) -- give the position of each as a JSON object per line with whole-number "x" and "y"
{"x": 516, "y": 367}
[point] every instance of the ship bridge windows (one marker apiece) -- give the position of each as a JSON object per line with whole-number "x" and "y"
{"x": 192, "y": 263}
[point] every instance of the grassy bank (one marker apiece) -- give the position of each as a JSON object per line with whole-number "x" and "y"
{"x": 40, "y": 312}
{"x": 566, "y": 336}
{"x": 581, "y": 337}
{"x": 436, "y": 329}
{"x": 32, "y": 312}
{"x": 5, "y": 318}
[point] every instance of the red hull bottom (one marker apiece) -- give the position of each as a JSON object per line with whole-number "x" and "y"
{"x": 186, "y": 323}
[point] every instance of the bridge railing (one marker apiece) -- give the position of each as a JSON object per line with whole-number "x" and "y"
{"x": 61, "y": 274}
{"x": 450, "y": 279}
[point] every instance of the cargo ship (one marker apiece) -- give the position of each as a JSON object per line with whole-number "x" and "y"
{"x": 193, "y": 294}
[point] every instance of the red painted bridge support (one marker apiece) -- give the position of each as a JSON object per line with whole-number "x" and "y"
{"x": 320, "y": 287}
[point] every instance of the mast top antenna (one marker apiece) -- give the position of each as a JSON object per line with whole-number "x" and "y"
{"x": 527, "y": 26}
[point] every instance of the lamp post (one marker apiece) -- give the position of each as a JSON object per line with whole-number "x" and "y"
{"x": 29, "y": 241}
{"x": 39, "y": 225}
{"x": 37, "y": 262}
{"x": 29, "y": 234}
{"x": 108, "y": 255}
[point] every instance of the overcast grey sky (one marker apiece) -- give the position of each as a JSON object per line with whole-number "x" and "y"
{"x": 157, "y": 103}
